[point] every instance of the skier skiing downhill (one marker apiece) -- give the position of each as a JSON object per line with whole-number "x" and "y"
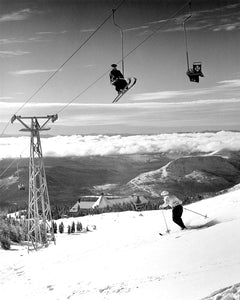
{"x": 176, "y": 205}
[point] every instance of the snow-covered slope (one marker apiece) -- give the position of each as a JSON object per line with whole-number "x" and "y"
{"x": 187, "y": 175}
{"x": 126, "y": 258}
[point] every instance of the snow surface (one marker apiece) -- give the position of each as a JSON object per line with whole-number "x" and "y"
{"x": 126, "y": 258}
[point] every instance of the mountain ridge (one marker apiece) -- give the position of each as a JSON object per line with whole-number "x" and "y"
{"x": 183, "y": 175}
{"x": 70, "y": 177}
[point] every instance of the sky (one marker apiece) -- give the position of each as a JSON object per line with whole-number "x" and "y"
{"x": 38, "y": 37}
{"x": 125, "y": 258}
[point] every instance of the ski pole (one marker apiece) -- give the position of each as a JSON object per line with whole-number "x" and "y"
{"x": 205, "y": 216}
{"x": 168, "y": 230}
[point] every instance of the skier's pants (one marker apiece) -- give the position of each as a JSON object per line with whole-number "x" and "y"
{"x": 120, "y": 84}
{"x": 177, "y": 216}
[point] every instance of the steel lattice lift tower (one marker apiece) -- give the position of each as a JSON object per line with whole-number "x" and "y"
{"x": 40, "y": 231}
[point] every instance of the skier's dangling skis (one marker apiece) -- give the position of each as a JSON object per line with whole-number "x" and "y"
{"x": 130, "y": 83}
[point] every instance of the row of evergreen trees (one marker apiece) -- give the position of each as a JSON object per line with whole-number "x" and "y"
{"x": 15, "y": 231}
{"x": 74, "y": 227}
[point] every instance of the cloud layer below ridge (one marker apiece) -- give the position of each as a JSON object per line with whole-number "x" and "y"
{"x": 78, "y": 145}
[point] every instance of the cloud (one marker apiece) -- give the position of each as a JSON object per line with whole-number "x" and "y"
{"x": 17, "y": 40}
{"x": 159, "y": 21}
{"x": 87, "y": 30}
{"x": 136, "y": 28}
{"x": 90, "y": 66}
{"x": 222, "y": 18}
{"x": 221, "y": 86}
{"x": 226, "y": 27}
{"x": 51, "y": 32}
{"x": 11, "y": 41}
{"x": 37, "y": 39}
{"x": 194, "y": 27}
{"x": 78, "y": 145}
{"x": 30, "y": 72}
{"x": 176, "y": 24}
{"x": 224, "y": 9}
{"x": 169, "y": 94}
{"x": 198, "y": 102}
{"x": 139, "y": 117}
{"x": 16, "y": 16}
{"x": 5, "y": 98}
{"x": 45, "y": 32}
{"x": 233, "y": 83}
{"x": 13, "y": 53}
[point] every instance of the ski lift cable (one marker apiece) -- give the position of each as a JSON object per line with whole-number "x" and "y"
{"x": 129, "y": 53}
{"x": 87, "y": 88}
{"x": 59, "y": 68}
{"x": 147, "y": 38}
{"x": 173, "y": 16}
{"x": 100, "y": 77}
{"x": 63, "y": 64}
{"x": 12, "y": 162}
{"x": 5, "y": 128}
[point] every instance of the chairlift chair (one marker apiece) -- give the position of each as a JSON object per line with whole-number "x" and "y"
{"x": 195, "y": 72}
{"x": 21, "y": 187}
{"x": 125, "y": 83}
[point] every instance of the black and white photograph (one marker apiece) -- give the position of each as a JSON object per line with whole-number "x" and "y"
{"x": 120, "y": 149}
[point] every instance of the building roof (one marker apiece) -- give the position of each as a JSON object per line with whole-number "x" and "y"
{"x": 89, "y": 201}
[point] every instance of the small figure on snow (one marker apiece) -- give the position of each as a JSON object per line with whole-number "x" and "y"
{"x": 117, "y": 79}
{"x": 176, "y": 205}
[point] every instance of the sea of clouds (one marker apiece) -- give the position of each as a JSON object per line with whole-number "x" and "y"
{"x": 80, "y": 145}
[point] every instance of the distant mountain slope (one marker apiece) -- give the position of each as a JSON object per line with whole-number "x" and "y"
{"x": 232, "y": 156}
{"x": 146, "y": 174}
{"x": 70, "y": 177}
{"x": 187, "y": 176}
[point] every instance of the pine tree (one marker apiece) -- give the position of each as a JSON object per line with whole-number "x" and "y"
{"x": 69, "y": 229}
{"x": 61, "y": 227}
{"x": 79, "y": 226}
{"x": 73, "y": 227}
{"x": 5, "y": 242}
{"x": 54, "y": 227}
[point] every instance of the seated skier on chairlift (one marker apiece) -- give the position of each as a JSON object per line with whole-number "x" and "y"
{"x": 195, "y": 72}
{"x": 117, "y": 79}
{"x": 21, "y": 187}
